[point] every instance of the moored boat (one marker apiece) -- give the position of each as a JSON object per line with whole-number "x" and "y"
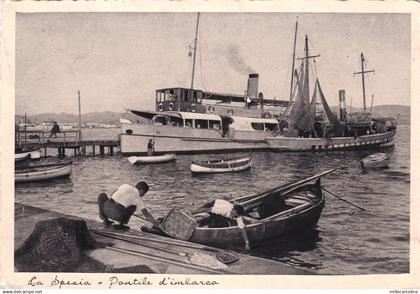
{"x": 35, "y": 154}
{"x": 187, "y": 132}
{"x": 43, "y": 172}
{"x": 22, "y": 159}
{"x": 152, "y": 159}
{"x": 222, "y": 165}
{"x": 268, "y": 214}
{"x": 375, "y": 160}
{"x": 304, "y": 130}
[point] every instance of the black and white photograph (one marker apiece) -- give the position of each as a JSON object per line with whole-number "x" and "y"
{"x": 211, "y": 143}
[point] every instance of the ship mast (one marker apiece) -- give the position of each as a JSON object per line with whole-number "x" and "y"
{"x": 363, "y": 72}
{"x": 293, "y": 62}
{"x": 306, "y": 58}
{"x": 195, "y": 53}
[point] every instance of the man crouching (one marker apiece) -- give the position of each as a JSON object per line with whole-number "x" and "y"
{"x": 122, "y": 204}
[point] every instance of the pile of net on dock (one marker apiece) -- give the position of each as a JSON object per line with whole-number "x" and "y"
{"x": 58, "y": 245}
{"x": 55, "y": 245}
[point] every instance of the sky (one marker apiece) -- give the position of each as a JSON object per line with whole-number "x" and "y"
{"x": 117, "y": 60}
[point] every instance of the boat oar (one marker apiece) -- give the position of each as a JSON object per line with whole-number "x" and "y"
{"x": 141, "y": 244}
{"x": 325, "y": 189}
{"x": 166, "y": 260}
{"x": 288, "y": 186}
{"x": 200, "y": 259}
{"x": 224, "y": 256}
{"x": 253, "y": 202}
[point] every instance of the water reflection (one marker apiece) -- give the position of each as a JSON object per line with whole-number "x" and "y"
{"x": 346, "y": 240}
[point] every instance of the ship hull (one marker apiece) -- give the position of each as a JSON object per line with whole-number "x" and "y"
{"x": 328, "y": 144}
{"x": 137, "y": 144}
{"x": 134, "y": 139}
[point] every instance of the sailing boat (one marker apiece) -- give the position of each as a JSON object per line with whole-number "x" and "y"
{"x": 302, "y": 130}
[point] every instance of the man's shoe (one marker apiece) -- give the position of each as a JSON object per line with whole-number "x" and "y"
{"x": 121, "y": 227}
{"x": 107, "y": 222}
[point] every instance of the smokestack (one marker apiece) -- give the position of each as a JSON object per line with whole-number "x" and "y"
{"x": 342, "y": 102}
{"x": 252, "y": 89}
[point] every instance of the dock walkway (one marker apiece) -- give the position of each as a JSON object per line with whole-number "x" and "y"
{"x": 65, "y": 140}
{"x": 162, "y": 255}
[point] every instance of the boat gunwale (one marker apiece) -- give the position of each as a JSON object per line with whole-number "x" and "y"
{"x": 206, "y": 163}
{"x": 272, "y": 219}
{"x": 58, "y": 165}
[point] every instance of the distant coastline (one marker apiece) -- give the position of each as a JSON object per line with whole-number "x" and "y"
{"x": 113, "y": 118}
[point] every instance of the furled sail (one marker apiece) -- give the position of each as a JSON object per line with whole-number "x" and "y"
{"x": 336, "y": 128}
{"x": 305, "y": 120}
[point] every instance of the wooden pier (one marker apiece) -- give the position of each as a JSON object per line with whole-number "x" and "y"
{"x": 65, "y": 140}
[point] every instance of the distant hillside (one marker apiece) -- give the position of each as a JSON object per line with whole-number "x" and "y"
{"x": 106, "y": 117}
{"x": 113, "y": 118}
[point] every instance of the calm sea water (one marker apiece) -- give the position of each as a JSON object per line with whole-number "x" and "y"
{"x": 346, "y": 240}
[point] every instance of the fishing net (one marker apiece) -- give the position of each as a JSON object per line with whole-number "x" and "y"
{"x": 359, "y": 117}
{"x": 58, "y": 245}
{"x": 55, "y": 245}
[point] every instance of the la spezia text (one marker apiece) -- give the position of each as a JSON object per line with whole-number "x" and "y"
{"x": 118, "y": 281}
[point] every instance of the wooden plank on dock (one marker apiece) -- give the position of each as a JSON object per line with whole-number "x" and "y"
{"x": 169, "y": 261}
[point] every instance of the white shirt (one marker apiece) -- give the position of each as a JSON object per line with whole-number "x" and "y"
{"x": 222, "y": 207}
{"x": 127, "y": 195}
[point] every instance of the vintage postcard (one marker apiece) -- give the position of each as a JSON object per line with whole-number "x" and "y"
{"x": 172, "y": 144}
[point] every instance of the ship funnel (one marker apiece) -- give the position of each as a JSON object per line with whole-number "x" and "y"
{"x": 342, "y": 102}
{"x": 252, "y": 89}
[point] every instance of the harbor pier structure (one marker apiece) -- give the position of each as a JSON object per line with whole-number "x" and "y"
{"x": 65, "y": 140}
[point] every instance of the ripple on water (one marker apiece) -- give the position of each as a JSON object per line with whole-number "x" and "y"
{"x": 346, "y": 240}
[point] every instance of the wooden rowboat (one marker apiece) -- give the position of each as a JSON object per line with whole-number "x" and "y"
{"x": 152, "y": 159}
{"x": 22, "y": 159}
{"x": 269, "y": 214}
{"x": 375, "y": 160}
{"x": 35, "y": 154}
{"x": 221, "y": 165}
{"x": 43, "y": 172}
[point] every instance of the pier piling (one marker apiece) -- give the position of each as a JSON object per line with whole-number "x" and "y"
{"x": 66, "y": 140}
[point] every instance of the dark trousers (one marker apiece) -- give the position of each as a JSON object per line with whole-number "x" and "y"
{"x": 108, "y": 208}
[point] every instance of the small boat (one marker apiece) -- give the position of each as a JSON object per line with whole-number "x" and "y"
{"x": 222, "y": 165}
{"x": 34, "y": 153}
{"x": 269, "y": 214}
{"x": 43, "y": 172}
{"x": 375, "y": 160}
{"x": 152, "y": 159}
{"x": 22, "y": 159}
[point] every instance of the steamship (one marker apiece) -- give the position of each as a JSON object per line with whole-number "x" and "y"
{"x": 189, "y": 120}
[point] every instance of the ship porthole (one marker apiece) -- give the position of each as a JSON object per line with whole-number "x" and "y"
{"x": 171, "y": 106}
{"x": 160, "y": 107}
{"x": 193, "y": 108}
{"x": 129, "y": 132}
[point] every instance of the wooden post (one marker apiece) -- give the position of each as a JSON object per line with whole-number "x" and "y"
{"x": 101, "y": 149}
{"x": 24, "y": 128}
{"x": 93, "y": 149}
{"x": 80, "y": 118}
{"x": 111, "y": 150}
